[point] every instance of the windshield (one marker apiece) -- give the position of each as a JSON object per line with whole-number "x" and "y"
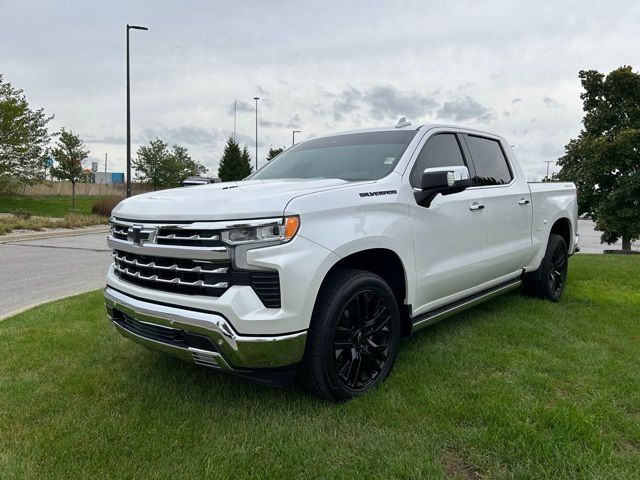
{"x": 356, "y": 156}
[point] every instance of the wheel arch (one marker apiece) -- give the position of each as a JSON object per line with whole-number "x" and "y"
{"x": 387, "y": 264}
{"x": 562, "y": 227}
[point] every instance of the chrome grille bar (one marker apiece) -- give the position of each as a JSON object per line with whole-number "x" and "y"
{"x": 173, "y": 251}
{"x": 173, "y": 281}
{"x": 174, "y": 267}
{"x": 173, "y": 236}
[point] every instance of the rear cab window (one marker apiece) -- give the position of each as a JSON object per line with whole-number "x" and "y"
{"x": 489, "y": 159}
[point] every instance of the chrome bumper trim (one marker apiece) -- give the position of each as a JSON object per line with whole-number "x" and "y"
{"x": 236, "y": 352}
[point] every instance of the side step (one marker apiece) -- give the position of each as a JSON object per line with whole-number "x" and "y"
{"x": 434, "y": 316}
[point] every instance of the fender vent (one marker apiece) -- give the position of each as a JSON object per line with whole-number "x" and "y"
{"x": 265, "y": 284}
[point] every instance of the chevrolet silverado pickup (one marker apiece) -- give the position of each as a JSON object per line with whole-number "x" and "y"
{"x": 317, "y": 265}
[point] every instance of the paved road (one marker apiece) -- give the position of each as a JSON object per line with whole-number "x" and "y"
{"x": 35, "y": 271}
{"x": 590, "y": 239}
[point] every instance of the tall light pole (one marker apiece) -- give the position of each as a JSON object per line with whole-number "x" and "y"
{"x": 256, "y": 99}
{"x": 548, "y": 162}
{"x": 129, "y": 27}
{"x": 293, "y": 137}
{"x": 235, "y": 112}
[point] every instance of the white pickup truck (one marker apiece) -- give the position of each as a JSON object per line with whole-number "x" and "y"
{"x": 317, "y": 265}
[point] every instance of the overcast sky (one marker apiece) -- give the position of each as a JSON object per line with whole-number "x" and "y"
{"x": 317, "y": 66}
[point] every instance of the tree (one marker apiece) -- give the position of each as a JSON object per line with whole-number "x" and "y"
{"x": 69, "y": 153}
{"x": 23, "y": 135}
{"x": 246, "y": 168}
{"x": 149, "y": 162}
{"x": 180, "y": 165}
{"x": 164, "y": 168}
{"x": 235, "y": 164}
{"x": 604, "y": 161}
{"x": 274, "y": 152}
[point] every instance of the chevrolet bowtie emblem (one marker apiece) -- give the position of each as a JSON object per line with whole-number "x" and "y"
{"x": 139, "y": 235}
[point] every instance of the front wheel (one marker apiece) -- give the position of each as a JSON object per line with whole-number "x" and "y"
{"x": 549, "y": 280}
{"x": 353, "y": 337}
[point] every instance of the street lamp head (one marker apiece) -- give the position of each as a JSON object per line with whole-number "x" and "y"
{"x": 136, "y": 27}
{"x": 256, "y": 98}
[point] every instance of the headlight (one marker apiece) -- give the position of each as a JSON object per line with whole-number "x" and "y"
{"x": 276, "y": 232}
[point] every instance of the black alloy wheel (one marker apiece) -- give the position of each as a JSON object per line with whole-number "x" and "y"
{"x": 353, "y": 337}
{"x": 362, "y": 341}
{"x": 549, "y": 280}
{"x": 558, "y": 270}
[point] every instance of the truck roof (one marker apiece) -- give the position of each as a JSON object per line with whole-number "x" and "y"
{"x": 390, "y": 128}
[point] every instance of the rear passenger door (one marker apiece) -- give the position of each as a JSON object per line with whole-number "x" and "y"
{"x": 508, "y": 204}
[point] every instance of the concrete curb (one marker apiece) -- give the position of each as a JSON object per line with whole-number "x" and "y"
{"x": 39, "y": 235}
{"x": 4, "y": 316}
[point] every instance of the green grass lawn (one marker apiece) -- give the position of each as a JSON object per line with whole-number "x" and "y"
{"x": 515, "y": 388}
{"x": 47, "y": 205}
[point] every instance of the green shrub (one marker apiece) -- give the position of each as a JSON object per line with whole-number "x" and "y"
{"x": 10, "y": 185}
{"x": 104, "y": 206}
{"x": 21, "y": 213}
{"x": 72, "y": 220}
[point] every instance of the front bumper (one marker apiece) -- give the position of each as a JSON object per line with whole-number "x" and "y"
{"x": 219, "y": 345}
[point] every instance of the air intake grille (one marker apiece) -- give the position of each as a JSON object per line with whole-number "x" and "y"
{"x": 159, "y": 333}
{"x": 267, "y": 287}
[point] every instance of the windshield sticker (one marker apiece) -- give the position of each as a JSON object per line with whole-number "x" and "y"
{"x": 389, "y": 160}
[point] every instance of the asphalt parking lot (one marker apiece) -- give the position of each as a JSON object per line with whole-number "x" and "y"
{"x": 590, "y": 239}
{"x": 37, "y": 271}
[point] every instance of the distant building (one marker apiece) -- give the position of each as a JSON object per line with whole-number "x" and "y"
{"x": 108, "y": 177}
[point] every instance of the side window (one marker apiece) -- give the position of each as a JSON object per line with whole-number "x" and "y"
{"x": 488, "y": 158}
{"x": 441, "y": 150}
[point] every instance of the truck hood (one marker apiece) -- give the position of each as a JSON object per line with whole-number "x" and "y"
{"x": 222, "y": 201}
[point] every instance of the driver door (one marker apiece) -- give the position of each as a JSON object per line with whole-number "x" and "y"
{"x": 450, "y": 236}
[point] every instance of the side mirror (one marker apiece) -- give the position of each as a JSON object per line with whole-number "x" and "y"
{"x": 443, "y": 180}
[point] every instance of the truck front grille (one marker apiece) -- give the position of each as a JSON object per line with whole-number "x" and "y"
{"x": 194, "y": 278}
{"x": 172, "y": 274}
{"x": 188, "y": 259}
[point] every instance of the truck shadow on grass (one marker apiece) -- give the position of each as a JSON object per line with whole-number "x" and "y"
{"x": 210, "y": 385}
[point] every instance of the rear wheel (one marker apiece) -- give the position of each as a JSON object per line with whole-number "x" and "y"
{"x": 549, "y": 280}
{"x": 353, "y": 338}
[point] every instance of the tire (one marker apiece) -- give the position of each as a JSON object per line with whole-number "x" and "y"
{"x": 549, "y": 280}
{"x": 353, "y": 337}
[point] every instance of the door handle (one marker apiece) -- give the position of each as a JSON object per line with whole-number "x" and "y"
{"x": 523, "y": 201}
{"x": 476, "y": 206}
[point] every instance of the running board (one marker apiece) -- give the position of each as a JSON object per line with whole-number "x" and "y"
{"x": 441, "y": 313}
